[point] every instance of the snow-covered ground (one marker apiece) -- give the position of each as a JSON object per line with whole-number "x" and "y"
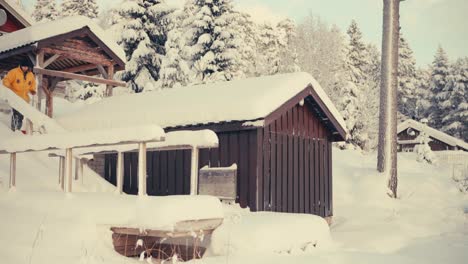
{"x": 427, "y": 224}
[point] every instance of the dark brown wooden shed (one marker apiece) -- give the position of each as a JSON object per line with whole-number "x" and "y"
{"x": 278, "y": 130}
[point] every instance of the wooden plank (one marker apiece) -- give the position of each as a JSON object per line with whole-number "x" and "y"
{"x": 253, "y": 172}
{"x": 179, "y": 171}
{"x": 171, "y": 172}
{"x": 307, "y": 176}
{"x": 233, "y": 157}
{"x": 164, "y": 172}
{"x": 316, "y": 177}
{"x": 224, "y": 150}
{"x": 127, "y": 172}
{"x": 326, "y": 178}
{"x": 40, "y": 91}
{"x": 109, "y": 76}
{"x": 322, "y": 179}
{"x": 142, "y": 172}
{"x": 243, "y": 172}
{"x": 272, "y": 188}
{"x": 279, "y": 165}
{"x": 330, "y": 178}
{"x": 49, "y": 61}
{"x": 295, "y": 161}
{"x": 102, "y": 71}
{"x": 311, "y": 174}
{"x": 301, "y": 175}
{"x": 81, "y": 68}
{"x": 284, "y": 164}
{"x": 266, "y": 168}
{"x": 186, "y": 173}
{"x": 68, "y": 169}
{"x": 75, "y": 76}
{"x": 290, "y": 163}
{"x": 259, "y": 180}
{"x": 81, "y": 55}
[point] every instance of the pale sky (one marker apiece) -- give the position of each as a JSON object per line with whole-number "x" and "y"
{"x": 425, "y": 23}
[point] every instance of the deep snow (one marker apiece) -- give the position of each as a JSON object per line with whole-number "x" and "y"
{"x": 427, "y": 224}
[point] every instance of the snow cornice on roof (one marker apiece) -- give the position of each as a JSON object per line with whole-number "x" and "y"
{"x": 434, "y": 133}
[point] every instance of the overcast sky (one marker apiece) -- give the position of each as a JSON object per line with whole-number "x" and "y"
{"x": 425, "y": 23}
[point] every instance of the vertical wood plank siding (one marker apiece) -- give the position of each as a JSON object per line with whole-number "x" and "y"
{"x": 285, "y": 166}
{"x": 296, "y": 164}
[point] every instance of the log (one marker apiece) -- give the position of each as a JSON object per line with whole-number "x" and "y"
{"x": 80, "y": 77}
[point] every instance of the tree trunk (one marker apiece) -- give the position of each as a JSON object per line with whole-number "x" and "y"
{"x": 387, "y": 150}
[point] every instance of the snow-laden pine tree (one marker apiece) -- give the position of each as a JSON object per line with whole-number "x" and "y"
{"x": 175, "y": 69}
{"x": 354, "y": 92}
{"x": 268, "y": 50}
{"x": 45, "y": 10}
{"x": 141, "y": 28}
{"x": 87, "y": 8}
{"x": 454, "y": 100}
{"x": 406, "y": 79}
{"x": 423, "y": 94}
{"x": 246, "y": 30}
{"x": 287, "y": 34}
{"x": 211, "y": 42}
{"x": 440, "y": 72}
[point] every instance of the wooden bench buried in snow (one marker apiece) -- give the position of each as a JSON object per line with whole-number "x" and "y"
{"x": 188, "y": 239}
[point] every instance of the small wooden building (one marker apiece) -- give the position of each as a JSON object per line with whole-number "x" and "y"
{"x": 409, "y": 130}
{"x": 72, "y": 48}
{"x": 278, "y": 130}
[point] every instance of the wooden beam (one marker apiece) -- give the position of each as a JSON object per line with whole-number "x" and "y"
{"x": 110, "y": 76}
{"x": 80, "y": 77}
{"x": 79, "y": 55}
{"x": 194, "y": 172}
{"x": 12, "y": 170}
{"x": 49, "y": 61}
{"x": 62, "y": 173}
{"x": 142, "y": 169}
{"x": 81, "y": 68}
{"x": 40, "y": 91}
{"x": 102, "y": 71}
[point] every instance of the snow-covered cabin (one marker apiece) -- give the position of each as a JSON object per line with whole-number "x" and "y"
{"x": 278, "y": 130}
{"x": 17, "y": 18}
{"x": 409, "y": 130}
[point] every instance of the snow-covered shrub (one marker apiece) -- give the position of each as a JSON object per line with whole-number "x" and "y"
{"x": 423, "y": 150}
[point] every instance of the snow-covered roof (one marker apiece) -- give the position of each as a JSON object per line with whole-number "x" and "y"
{"x": 434, "y": 133}
{"x": 241, "y": 100}
{"x": 46, "y": 30}
{"x": 18, "y": 12}
{"x": 75, "y": 139}
{"x": 173, "y": 140}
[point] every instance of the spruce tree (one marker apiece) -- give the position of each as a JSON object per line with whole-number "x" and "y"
{"x": 212, "y": 45}
{"x": 440, "y": 71}
{"x": 87, "y": 8}
{"x": 45, "y": 10}
{"x": 141, "y": 28}
{"x": 353, "y": 94}
{"x": 406, "y": 79}
{"x": 423, "y": 94}
{"x": 453, "y": 100}
{"x": 268, "y": 49}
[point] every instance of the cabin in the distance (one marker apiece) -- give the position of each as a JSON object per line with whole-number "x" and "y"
{"x": 409, "y": 130}
{"x": 277, "y": 131}
{"x": 16, "y": 17}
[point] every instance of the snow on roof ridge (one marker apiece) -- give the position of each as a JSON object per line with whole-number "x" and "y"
{"x": 45, "y": 30}
{"x": 239, "y": 100}
{"x": 437, "y": 134}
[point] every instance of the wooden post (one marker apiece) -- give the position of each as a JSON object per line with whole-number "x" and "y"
{"x": 62, "y": 175}
{"x": 120, "y": 168}
{"x": 12, "y": 170}
{"x": 78, "y": 168}
{"x": 142, "y": 169}
{"x": 110, "y": 76}
{"x": 194, "y": 172}
{"x": 60, "y": 170}
{"x": 68, "y": 169}
{"x": 40, "y": 91}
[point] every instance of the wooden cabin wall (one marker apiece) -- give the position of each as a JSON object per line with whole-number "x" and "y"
{"x": 295, "y": 164}
{"x": 436, "y": 145}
